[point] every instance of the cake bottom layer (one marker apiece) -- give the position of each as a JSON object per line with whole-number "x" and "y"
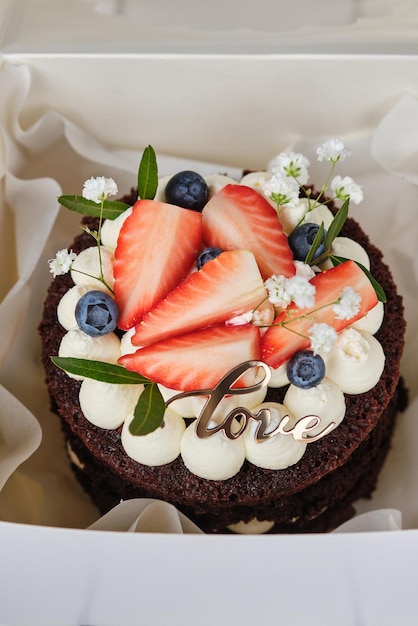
{"x": 320, "y": 507}
{"x": 314, "y": 495}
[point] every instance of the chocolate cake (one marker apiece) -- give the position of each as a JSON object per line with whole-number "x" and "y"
{"x": 315, "y": 494}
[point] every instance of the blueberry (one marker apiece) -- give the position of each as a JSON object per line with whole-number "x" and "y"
{"x": 188, "y": 190}
{"x": 305, "y": 369}
{"x": 207, "y": 255}
{"x": 96, "y": 313}
{"x": 301, "y": 239}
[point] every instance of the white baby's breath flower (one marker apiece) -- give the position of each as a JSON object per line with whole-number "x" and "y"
{"x": 301, "y": 291}
{"x": 345, "y": 188}
{"x": 322, "y": 337}
{"x": 303, "y": 269}
{"x": 62, "y": 262}
{"x": 293, "y": 165}
{"x": 261, "y": 318}
{"x": 281, "y": 189}
{"x": 348, "y": 304}
{"x": 277, "y": 292}
{"x": 240, "y": 320}
{"x": 332, "y": 150}
{"x": 99, "y": 189}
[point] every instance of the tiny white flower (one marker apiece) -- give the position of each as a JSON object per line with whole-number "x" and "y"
{"x": 301, "y": 291}
{"x": 277, "y": 292}
{"x": 261, "y": 318}
{"x": 322, "y": 337}
{"x": 304, "y": 269}
{"x": 348, "y": 304}
{"x": 99, "y": 189}
{"x": 281, "y": 189}
{"x": 293, "y": 165}
{"x": 239, "y": 320}
{"x": 332, "y": 150}
{"x": 62, "y": 262}
{"x": 344, "y": 188}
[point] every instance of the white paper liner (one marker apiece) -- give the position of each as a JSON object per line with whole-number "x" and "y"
{"x": 54, "y": 155}
{"x": 145, "y": 515}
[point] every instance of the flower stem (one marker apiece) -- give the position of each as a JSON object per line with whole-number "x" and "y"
{"x": 99, "y": 278}
{"x": 316, "y": 201}
{"x": 305, "y": 315}
{"x": 325, "y": 185}
{"x": 285, "y": 323}
{"x": 99, "y": 235}
{"x": 260, "y": 303}
{"x": 97, "y": 238}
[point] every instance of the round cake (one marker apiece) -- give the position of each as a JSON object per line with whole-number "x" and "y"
{"x": 274, "y": 367}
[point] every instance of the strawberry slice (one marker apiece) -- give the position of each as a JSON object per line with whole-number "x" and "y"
{"x": 226, "y": 286}
{"x": 238, "y": 217}
{"x": 197, "y": 360}
{"x": 280, "y": 343}
{"x": 156, "y": 248}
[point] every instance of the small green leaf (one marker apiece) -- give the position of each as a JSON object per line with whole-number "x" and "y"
{"x": 99, "y": 370}
{"x": 315, "y": 244}
{"x": 111, "y": 208}
{"x": 149, "y": 412}
{"x": 380, "y": 293}
{"x": 148, "y": 175}
{"x": 336, "y": 224}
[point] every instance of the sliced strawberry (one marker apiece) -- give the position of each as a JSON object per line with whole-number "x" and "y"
{"x": 196, "y": 360}
{"x": 156, "y": 247}
{"x": 280, "y": 343}
{"x": 226, "y": 286}
{"x": 238, "y": 217}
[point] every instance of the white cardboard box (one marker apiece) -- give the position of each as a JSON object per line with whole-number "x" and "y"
{"x": 234, "y": 110}
{"x": 231, "y": 27}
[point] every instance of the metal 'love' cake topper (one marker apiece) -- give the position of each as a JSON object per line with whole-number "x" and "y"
{"x": 299, "y": 431}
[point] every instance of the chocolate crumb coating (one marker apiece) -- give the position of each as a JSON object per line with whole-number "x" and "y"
{"x": 314, "y": 495}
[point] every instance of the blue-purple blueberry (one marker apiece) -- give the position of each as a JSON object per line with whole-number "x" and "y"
{"x": 305, "y": 369}
{"x": 96, "y": 313}
{"x": 207, "y": 255}
{"x": 187, "y": 189}
{"x": 301, "y": 239}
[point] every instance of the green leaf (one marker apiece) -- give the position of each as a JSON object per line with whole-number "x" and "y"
{"x": 148, "y": 175}
{"x": 336, "y": 224}
{"x": 111, "y": 208}
{"x": 105, "y": 372}
{"x": 149, "y": 412}
{"x": 315, "y": 244}
{"x": 380, "y": 293}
